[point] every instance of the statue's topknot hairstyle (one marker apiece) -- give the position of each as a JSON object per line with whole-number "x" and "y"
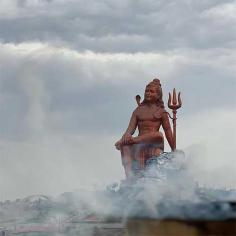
{"x": 157, "y": 85}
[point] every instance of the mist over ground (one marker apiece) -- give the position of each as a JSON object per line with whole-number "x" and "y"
{"x": 69, "y": 73}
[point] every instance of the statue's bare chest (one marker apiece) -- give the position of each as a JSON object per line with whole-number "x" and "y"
{"x": 149, "y": 114}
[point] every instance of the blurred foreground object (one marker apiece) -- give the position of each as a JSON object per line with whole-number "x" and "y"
{"x": 141, "y": 227}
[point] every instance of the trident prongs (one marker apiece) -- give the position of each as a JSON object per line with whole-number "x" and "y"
{"x": 172, "y": 101}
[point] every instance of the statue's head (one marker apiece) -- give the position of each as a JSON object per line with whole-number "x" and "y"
{"x": 153, "y": 93}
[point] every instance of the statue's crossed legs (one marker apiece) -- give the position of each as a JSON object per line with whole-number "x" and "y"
{"x": 142, "y": 148}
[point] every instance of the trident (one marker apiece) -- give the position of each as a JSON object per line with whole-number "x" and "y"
{"x": 174, "y": 106}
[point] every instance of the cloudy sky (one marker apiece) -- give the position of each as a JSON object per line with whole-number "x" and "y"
{"x": 69, "y": 72}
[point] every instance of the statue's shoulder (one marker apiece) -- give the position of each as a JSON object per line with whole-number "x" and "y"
{"x": 160, "y": 112}
{"x": 140, "y": 109}
{"x": 164, "y": 113}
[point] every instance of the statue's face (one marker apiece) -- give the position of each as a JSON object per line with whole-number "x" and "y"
{"x": 150, "y": 94}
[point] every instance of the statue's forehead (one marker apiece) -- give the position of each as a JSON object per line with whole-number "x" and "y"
{"x": 152, "y": 86}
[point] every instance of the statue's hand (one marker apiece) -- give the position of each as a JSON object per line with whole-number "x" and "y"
{"x": 117, "y": 145}
{"x": 126, "y": 139}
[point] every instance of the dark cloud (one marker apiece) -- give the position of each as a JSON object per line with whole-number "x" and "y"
{"x": 123, "y": 26}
